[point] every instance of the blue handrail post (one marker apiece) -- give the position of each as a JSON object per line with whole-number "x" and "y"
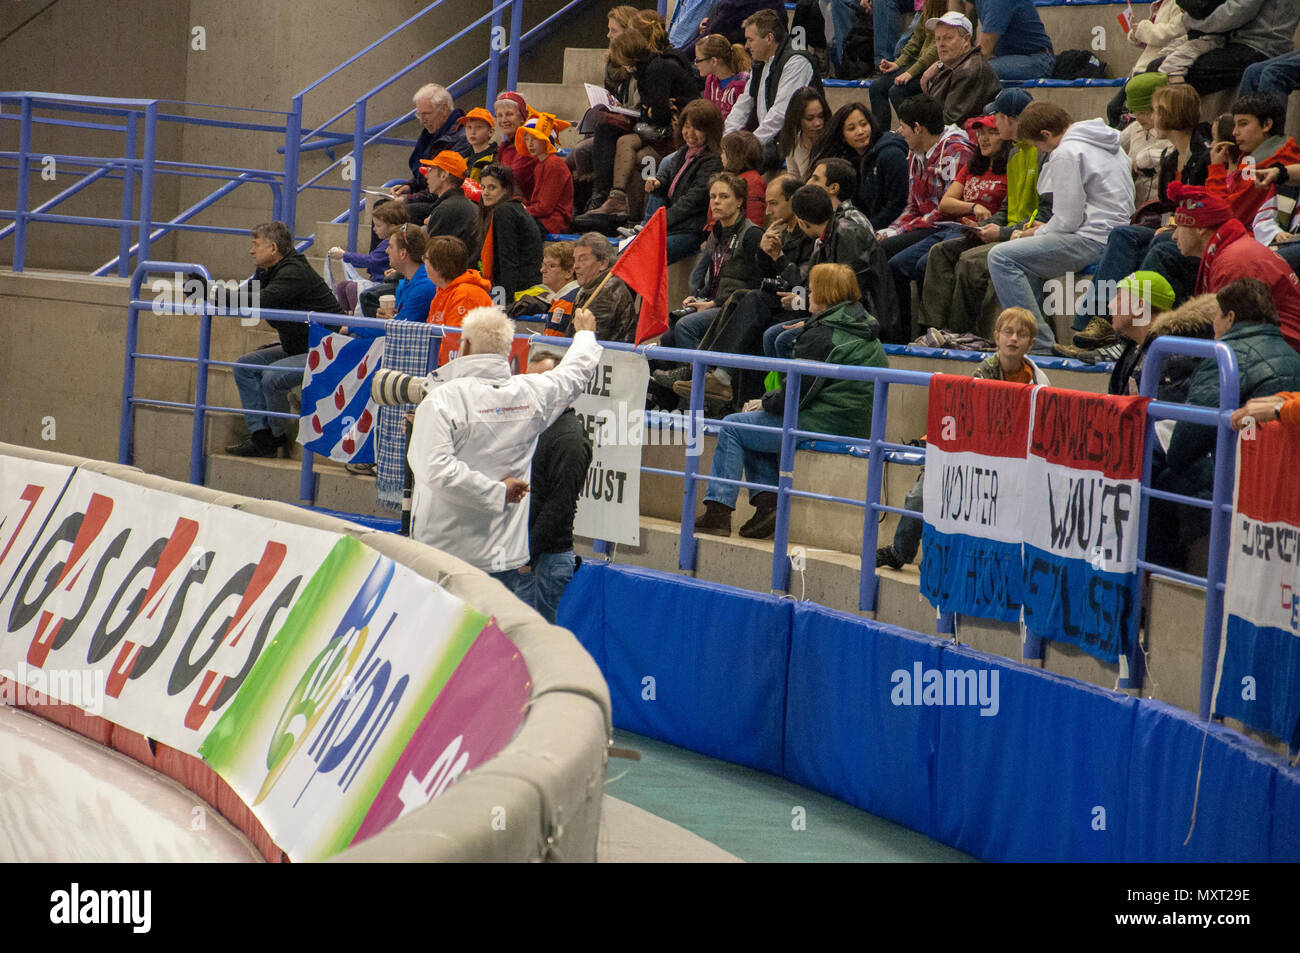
{"x": 128, "y": 195}
{"x": 516, "y": 38}
{"x": 126, "y": 430}
{"x": 146, "y": 181}
{"x": 197, "y": 456}
{"x": 354, "y": 197}
{"x": 292, "y": 142}
{"x": 867, "y": 582}
{"x": 307, "y": 481}
{"x": 494, "y": 56}
{"x": 663, "y": 8}
{"x": 784, "y": 483}
{"x": 24, "y": 165}
{"x": 687, "y": 547}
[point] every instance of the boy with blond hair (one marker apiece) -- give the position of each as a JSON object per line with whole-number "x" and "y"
{"x": 1014, "y": 334}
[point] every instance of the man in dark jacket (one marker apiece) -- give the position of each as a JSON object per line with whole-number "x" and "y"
{"x": 962, "y": 80}
{"x": 779, "y": 69}
{"x": 560, "y": 465}
{"x": 285, "y": 281}
{"x": 452, "y": 212}
{"x": 612, "y": 302}
{"x": 440, "y": 131}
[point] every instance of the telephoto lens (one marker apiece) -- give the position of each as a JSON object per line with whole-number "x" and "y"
{"x": 391, "y": 388}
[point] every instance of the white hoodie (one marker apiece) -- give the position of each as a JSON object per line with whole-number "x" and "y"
{"x": 1090, "y": 181}
{"x": 478, "y": 425}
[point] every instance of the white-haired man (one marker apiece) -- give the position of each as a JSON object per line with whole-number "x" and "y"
{"x": 440, "y": 118}
{"x": 473, "y": 441}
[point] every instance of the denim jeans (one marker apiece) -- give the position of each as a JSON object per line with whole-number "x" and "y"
{"x": 1126, "y": 246}
{"x": 887, "y": 26}
{"x": 745, "y": 452}
{"x": 882, "y": 92}
{"x": 519, "y": 583}
{"x": 683, "y": 245}
{"x": 543, "y": 586}
{"x": 268, "y": 390}
{"x": 1163, "y": 256}
{"x": 779, "y": 342}
{"x": 1290, "y": 253}
{"x": 1279, "y": 76}
{"x": 1025, "y": 66}
{"x": 689, "y": 330}
{"x": 1018, "y": 269}
{"x": 907, "y": 537}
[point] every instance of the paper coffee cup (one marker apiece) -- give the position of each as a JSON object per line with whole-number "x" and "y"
{"x": 388, "y": 301}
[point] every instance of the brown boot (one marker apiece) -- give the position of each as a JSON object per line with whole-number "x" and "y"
{"x": 614, "y": 208}
{"x": 716, "y": 519}
{"x": 762, "y": 525}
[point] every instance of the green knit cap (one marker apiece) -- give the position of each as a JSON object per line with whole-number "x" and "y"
{"x": 1151, "y": 287}
{"x": 1138, "y": 90}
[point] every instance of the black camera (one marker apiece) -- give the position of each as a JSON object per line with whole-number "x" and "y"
{"x": 776, "y": 286}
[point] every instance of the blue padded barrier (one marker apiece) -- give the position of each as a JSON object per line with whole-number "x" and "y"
{"x": 1024, "y": 784}
{"x": 717, "y": 655}
{"x": 809, "y": 693}
{"x": 844, "y": 737}
{"x": 1233, "y": 807}
{"x": 1042, "y": 360}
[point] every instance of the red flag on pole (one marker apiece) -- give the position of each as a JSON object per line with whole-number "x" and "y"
{"x": 643, "y": 266}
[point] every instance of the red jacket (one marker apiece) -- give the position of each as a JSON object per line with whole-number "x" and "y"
{"x": 1238, "y": 185}
{"x": 1232, "y": 254}
{"x": 523, "y": 166}
{"x": 552, "y": 199}
{"x": 452, "y": 302}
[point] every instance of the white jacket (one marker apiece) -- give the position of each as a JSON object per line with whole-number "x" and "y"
{"x": 478, "y": 425}
{"x": 1091, "y": 183}
{"x": 1161, "y": 34}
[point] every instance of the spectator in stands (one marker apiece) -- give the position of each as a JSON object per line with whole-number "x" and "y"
{"x": 415, "y": 292}
{"x": 441, "y": 132}
{"x": 461, "y": 289}
{"x": 1157, "y": 35}
{"x": 1281, "y": 406}
{"x": 888, "y": 22}
{"x": 1139, "y": 139}
{"x": 1092, "y": 194}
{"x": 900, "y": 78}
{"x": 839, "y": 331}
{"x": 1014, "y": 332}
{"x": 1248, "y": 323}
{"x": 661, "y": 78}
{"x": 471, "y": 466}
{"x": 962, "y": 80}
{"x": 384, "y": 218}
{"x": 778, "y": 70}
{"x": 512, "y": 241}
{"x": 511, "y": 113}
{"x": 682, "y": 183}
{"x": 478, "y": 123}
{"x": 605, "y": 295}
{"x": 879, "y": 158}
{"x": 1287, "y": 242}
{"x": 452, "y": 213}
{"x": 730, "y": 17}
{"x": 1176, "y": 110}
{"x": 551, "y": 201}
{"x": 1258, "y": 121}
{"x": 804, "y": 120}
{"x": 957, "y": 294}
{"x": 556, "y": 479}
{"x": 1207, "y": 230}
{"x": 283, "y": 280}
{"x": 1234, "y": 35}
{"x": 1013, "y": 40}
{"x": 742, "y": 155}
{"x": 725, "y": 68}
{"x": 560, "y": 292}
{"x": 1140, "y": 312}
{"x": 1278, "y": 77}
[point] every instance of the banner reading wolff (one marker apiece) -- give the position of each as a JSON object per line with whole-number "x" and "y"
{"x": 612, "y": 408}
{"x": 1258, "y": 681}
{"x": 974, "y": 486}
{"x": 1082, "y": 504}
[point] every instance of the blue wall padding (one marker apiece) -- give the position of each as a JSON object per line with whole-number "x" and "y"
{"x": 1024, "y": 784}
{"x": 809, "y": 693}
{"x": 1236, "y": 788}
{"x": 843, "y": 735}
{"x": 718, "y": 657}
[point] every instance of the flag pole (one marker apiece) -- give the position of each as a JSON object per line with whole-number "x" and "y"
{"x": 608, "y": 274}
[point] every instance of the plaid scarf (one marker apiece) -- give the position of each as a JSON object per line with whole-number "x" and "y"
{"x": 411, "y": 348}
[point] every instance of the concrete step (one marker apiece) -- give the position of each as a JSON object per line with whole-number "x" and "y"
{"x": 278, "y": 479}
{"x": 1094, "y": 28}
{"x": 584, "y": 65}
{"x": 329, "y": 234}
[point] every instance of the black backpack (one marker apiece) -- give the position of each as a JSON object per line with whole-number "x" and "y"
{"x": 1078, "y": 64}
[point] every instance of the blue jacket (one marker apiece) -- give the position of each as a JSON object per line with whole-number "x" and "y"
{"x": 414, "y": 295}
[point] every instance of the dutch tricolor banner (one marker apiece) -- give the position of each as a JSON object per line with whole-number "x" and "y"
{"x": 974, "y": 489}
{"x": 1259, "y": 655}
{"x": 338, "y": 416}
{"x": 1083, "y": 484}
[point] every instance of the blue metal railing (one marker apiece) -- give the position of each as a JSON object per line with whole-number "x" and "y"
{"x": 878, "y": 449}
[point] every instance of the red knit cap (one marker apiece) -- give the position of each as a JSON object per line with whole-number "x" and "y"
{"x": 1198, "y": 207}
{"x": 516, "y": 99}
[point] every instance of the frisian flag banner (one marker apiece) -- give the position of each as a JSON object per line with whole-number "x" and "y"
{"x": 338, "y": 416}
{"x": 1258, "y": 679}
{"x": 1083, "y": 484}
{"x": 974, "y": 496}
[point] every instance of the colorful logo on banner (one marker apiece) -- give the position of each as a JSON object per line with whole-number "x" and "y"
{"x": 974, "y": 488}
{"x": 336, "y": 734}
{"x": 1031, "y": 505}
{"x": 338, "y": 416}
{"x": 1082, "y": 491}
{"x": 1259, "y": 655}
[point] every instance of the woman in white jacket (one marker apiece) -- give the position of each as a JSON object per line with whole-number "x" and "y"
{"x": 1158, "y": 35}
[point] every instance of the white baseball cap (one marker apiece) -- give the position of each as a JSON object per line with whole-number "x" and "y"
{"x": 952, "y": 18}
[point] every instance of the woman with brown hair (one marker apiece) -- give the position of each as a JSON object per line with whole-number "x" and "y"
{"x": 512, "y": 240}
{"x": 682, "y": 183}
{"x": 805, "y": 118}
{"x": 725, "y": 68}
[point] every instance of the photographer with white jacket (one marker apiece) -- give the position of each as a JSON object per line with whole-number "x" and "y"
{"x": 475, "y": 432}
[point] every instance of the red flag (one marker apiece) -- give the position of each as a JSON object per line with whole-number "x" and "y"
{"x": 643, "y": 266}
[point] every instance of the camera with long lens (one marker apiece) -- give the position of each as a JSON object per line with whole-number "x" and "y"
{"x": 776, "y": 286}
{"x": 391, "y": 388}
